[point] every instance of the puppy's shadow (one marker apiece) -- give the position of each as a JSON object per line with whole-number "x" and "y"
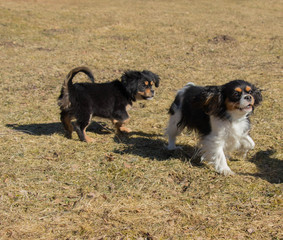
{"x": 270, "y": 168}
{"x": 39, "y": 129}
{"x": 142, "y": 144}
{"x": 152, "y": 146}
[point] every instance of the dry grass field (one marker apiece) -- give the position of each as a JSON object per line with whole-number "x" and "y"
{"x": 130, "y": 186}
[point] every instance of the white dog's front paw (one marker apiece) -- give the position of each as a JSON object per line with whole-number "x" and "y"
{"x": 225, "y": 171}
{"x": 248, "y": 144}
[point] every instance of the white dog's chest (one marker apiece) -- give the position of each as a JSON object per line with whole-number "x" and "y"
{"x": 229, "y": 134}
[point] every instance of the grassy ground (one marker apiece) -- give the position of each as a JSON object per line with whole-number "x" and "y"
{"x": 130, "y": 187}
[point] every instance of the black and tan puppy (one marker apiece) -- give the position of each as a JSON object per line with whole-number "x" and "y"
{"x": 83, "y": 101}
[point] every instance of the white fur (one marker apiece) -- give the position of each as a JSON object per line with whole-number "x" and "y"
{"x": 173, "y": 130}
{"x": 224, "y": 138}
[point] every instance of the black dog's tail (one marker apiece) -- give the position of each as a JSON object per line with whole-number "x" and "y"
{"x": 68, "y": 81}
{"x": 63, "y": 100}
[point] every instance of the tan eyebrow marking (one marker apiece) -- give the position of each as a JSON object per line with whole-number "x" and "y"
{"x": 248, "y": 88}
{"x": 238, "y": 89}
{"x": 146, "y": 83}
{"x": 151, "y": 83}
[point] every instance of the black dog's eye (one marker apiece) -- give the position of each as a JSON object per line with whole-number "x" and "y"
{"x": 145, "y": 83}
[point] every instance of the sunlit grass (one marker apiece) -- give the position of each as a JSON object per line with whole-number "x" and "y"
{"x": 130, "y": 187}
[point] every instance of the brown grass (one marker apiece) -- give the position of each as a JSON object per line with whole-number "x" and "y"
{"x": 131, "y": 187}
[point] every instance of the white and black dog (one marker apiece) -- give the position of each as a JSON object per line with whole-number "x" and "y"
{"x": 220, "y": 114}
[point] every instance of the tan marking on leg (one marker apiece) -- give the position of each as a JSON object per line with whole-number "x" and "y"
{"x": 87, "y": 138}
{"x": 125, "y": 129}
{"x": 82, "y": 133}
{"x": 68, "y": 126}
{"x": 120, "y": 126}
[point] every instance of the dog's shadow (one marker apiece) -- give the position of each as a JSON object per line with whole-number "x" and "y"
{"x": 270, "y": 168}
{"x": 153, "y": 146}
{"x": 39, "y": 129}
{"x": 147, "y": 145}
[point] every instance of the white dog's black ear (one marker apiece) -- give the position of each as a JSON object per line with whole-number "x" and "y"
{"x": 256, "y": 93}
{"x": 210, "y": 100}
{"x": 152, "y": 76}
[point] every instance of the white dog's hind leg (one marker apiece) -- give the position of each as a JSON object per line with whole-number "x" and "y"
{"x": 173, "y": 130}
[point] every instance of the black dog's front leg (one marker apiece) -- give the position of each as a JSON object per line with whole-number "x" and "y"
{"x": 120, "y": 118}
{"x": 120, "y": 125}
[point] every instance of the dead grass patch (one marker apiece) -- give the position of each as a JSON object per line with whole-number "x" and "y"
{"x": 130, "y": 187}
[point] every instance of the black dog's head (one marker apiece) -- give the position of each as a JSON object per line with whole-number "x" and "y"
{"x": 238, "y": 97}
{"x": 139, "y": 84}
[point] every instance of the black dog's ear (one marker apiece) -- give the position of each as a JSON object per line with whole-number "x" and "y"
{"x": 130, "y": 76}
{"x": 130, "y": 80}
{"x": 210, "y": 100}
{"x": 154, "y": 77}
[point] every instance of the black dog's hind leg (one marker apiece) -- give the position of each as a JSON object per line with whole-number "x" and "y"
{"x": 81, "y": 125}
{"x": 66, "y": 121}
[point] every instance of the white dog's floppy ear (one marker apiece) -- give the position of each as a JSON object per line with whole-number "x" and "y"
{"x": 210, "y": 99}
{"x": 256, "y": 93}
{"x": 154, "y": 77}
